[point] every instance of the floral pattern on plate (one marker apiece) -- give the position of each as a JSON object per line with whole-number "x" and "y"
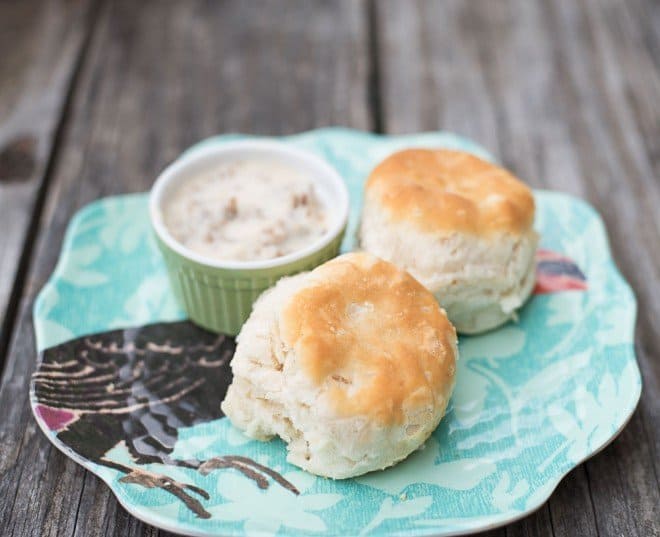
{"x": 533, "y": 399}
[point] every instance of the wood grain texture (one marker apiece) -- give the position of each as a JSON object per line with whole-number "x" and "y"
{"x": 41, "y": 44}
{"x": 158, "y": 76}
{"x": 566, "y": 94}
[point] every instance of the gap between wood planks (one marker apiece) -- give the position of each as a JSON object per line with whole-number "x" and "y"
{"x": 538, "y": 82}
{"x": 374, "y": 81}
{"x": 107, "y": 150}
{"x": 23, "y": 267}
{"x": 376, "y": 57}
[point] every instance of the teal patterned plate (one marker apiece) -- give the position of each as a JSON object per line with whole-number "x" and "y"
{"x": 131, "y": 390}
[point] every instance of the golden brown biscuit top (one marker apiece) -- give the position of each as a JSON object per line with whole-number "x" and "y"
{"x": 373, "y": 336}
{"x": 443, "y": 190}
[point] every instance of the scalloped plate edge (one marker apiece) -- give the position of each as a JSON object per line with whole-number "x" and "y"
{"x": 479, "y": 524}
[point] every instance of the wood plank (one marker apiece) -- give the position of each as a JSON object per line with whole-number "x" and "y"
{"x": 566, "y": 94}
{"x": 41, "y": 45}
{"x": 160, "y": 75}
{"x": 617, "y": 138}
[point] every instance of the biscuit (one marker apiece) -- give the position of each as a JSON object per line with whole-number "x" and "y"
{"x": 460, "y": 225}
{"x": 351, "y": 364}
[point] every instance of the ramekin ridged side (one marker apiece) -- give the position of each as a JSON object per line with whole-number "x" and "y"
{"x": 221, "y": 300}
{"x": 218, "y": 294}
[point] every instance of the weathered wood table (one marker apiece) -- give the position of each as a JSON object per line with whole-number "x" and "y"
{"x": 97, "y": 96}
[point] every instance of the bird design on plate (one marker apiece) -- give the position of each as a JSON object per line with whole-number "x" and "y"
{"x": 556, "y": 272}
{"x": 138, "y": 386}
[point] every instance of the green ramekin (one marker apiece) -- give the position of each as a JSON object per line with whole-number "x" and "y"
{"x": 218, "y": 295}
